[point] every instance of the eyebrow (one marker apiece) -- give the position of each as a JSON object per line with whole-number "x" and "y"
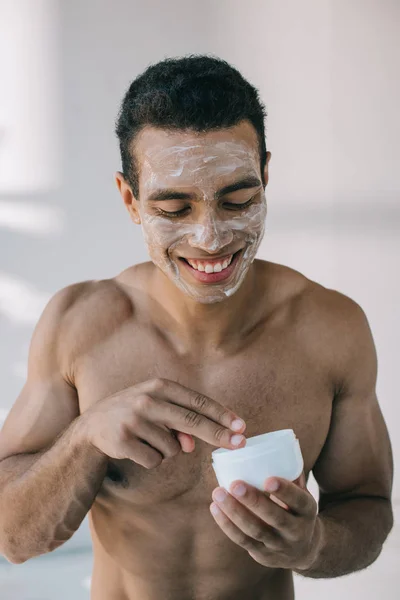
{"x": 172, "y": 194}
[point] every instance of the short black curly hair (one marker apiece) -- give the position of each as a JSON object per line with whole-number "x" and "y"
{"x": 195, "y": 92}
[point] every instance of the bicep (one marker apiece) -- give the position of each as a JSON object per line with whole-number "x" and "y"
{"x": 357, "y": 457}
{"x": 47, "y": 403}
{"x": 40, "y": 413}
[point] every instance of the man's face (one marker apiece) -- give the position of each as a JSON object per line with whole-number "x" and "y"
{"x": 202, "y": 237}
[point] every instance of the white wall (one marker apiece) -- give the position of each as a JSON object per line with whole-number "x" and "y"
{"x": 328, "y": 72}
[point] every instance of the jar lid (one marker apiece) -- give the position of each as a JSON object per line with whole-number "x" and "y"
{"x": 257, "y": 445}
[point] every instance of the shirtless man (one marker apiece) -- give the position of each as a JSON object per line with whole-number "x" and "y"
{"x": 133, "y": 381}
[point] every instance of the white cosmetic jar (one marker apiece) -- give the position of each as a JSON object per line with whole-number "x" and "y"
{"x": 275, "y": 454}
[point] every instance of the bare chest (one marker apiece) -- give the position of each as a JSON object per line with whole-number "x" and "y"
{"x": 272, "y": 384}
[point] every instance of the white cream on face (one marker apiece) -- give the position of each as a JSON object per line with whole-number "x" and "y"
{"x": 201, "y": 166}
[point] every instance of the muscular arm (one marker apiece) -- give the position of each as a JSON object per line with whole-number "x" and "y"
{"x": 49, "y": 475}
{"x": 355, "y": 468}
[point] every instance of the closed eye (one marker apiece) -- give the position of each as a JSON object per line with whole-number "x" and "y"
{"x": 235, "y": 206}
{"x": 183, "y": 211}
{"x": 172, "y": 214}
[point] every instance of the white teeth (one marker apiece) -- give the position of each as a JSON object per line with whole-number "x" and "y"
{"x": 210, "y": 268}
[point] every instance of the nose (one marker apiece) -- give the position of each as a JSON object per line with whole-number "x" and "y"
{"x": 212, "y": 235}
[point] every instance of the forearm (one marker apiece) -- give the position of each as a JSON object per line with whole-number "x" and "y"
{"x": 45, "y": 496}
{"x": 352, "y": 534}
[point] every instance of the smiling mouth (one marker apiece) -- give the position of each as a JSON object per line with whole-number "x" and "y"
{"x": 212, "y": 270}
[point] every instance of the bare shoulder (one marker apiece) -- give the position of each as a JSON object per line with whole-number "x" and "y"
{"x": 332, "y": 312}
{"x": 327, "y": 324}
{"x": 311, "y": 300}
{"x": 90, "y": 299}
{"x": 89, "y": 312}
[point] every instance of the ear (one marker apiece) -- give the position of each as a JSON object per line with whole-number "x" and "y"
{"x": 266, "y": 171}
{"x": 127, "y": 196}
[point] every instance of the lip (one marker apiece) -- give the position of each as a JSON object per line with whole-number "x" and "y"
{"x": 213, "y": 277}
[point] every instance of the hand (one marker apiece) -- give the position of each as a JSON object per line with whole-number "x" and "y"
{"x": 139, "y": 422}
{"x": 272, "y": 535}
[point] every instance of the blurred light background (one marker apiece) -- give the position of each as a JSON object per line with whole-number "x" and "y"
{"x": 328, "y": 73}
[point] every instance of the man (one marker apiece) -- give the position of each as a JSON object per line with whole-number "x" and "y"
{"x": 133, "y": 381}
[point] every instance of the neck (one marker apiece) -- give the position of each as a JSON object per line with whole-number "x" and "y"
{"x": 217, "y": 325}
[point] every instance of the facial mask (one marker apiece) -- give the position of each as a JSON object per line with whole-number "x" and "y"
{"x": 202, "y": 167}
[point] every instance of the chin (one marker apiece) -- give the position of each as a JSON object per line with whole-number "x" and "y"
{"x": 209, "y": 294}
{"x": 208, "y": 299}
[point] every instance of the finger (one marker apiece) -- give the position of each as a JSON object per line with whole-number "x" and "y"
{"x": 233, "y": 532}
{"x": 160, "y": 438}
{"x": 141, "y": 453}
{"x": 279, "y": 502}
{"x": 249, "y": 521}
{"x": 301, "y": 481}
{"x": 183, "y": 396}
{"x": 299, "y": 500}
{"x": 189, "y": 420}
{"x": 186, "y": 441}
